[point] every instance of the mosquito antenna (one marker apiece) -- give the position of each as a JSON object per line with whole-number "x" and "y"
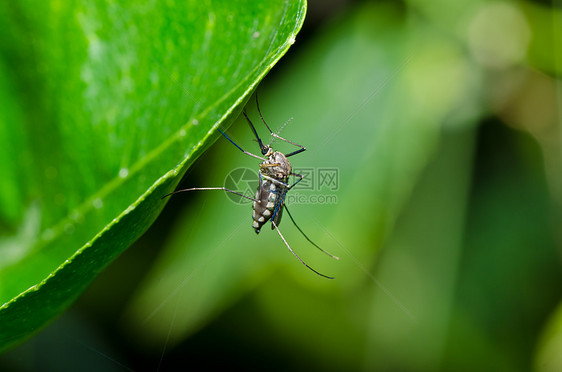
{"x": 302, "y": 148}
{"x": 263, "y": 148}
{"x": 296, "y": 255}
{"x": 285, "y": 124}
{"x": 279, "y": 131}
{"x": 307, "y": 238}
{"x": 209, "y": 188}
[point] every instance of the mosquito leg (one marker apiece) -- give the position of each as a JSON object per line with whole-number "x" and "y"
{"x": 289, "y": 187}
{"x": 302, "y": 148}
{"x": 240, "y": 148}
{"x": 275, "y": 181}
{"x": 294, "y": 152}
{"x": 296, "y": 175}
{"x": 261, "y": 116}
{"x": 263, "y": 148}
{"x": 210, "y": 188}
{"x": 307, "y": 238}
{"x": 259, "y": 186}
{"x": 296, "y": 255}
{"x": 283, "y": 183}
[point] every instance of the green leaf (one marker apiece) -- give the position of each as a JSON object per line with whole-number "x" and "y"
{"x": 105, "y": 106}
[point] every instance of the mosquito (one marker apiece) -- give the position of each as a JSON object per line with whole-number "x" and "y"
{"x": 274, "y": 173}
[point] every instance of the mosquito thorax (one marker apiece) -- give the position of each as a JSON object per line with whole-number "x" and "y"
{"x": 276, "y": 166}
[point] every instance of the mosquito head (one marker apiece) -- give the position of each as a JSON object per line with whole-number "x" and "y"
{"x": 266, "y": 151}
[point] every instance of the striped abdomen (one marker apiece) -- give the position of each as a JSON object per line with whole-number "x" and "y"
{"x": 270, "y": 196}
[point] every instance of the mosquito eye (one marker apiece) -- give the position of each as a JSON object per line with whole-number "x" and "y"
{"x": 264, "y": 151}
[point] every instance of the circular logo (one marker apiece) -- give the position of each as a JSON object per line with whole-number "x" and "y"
{"x": 243, "y": 181}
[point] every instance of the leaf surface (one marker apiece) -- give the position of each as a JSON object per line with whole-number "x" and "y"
{"x": 105, "y": 106}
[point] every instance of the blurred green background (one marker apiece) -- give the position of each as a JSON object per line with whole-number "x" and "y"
{"x": 442, "y": 121}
